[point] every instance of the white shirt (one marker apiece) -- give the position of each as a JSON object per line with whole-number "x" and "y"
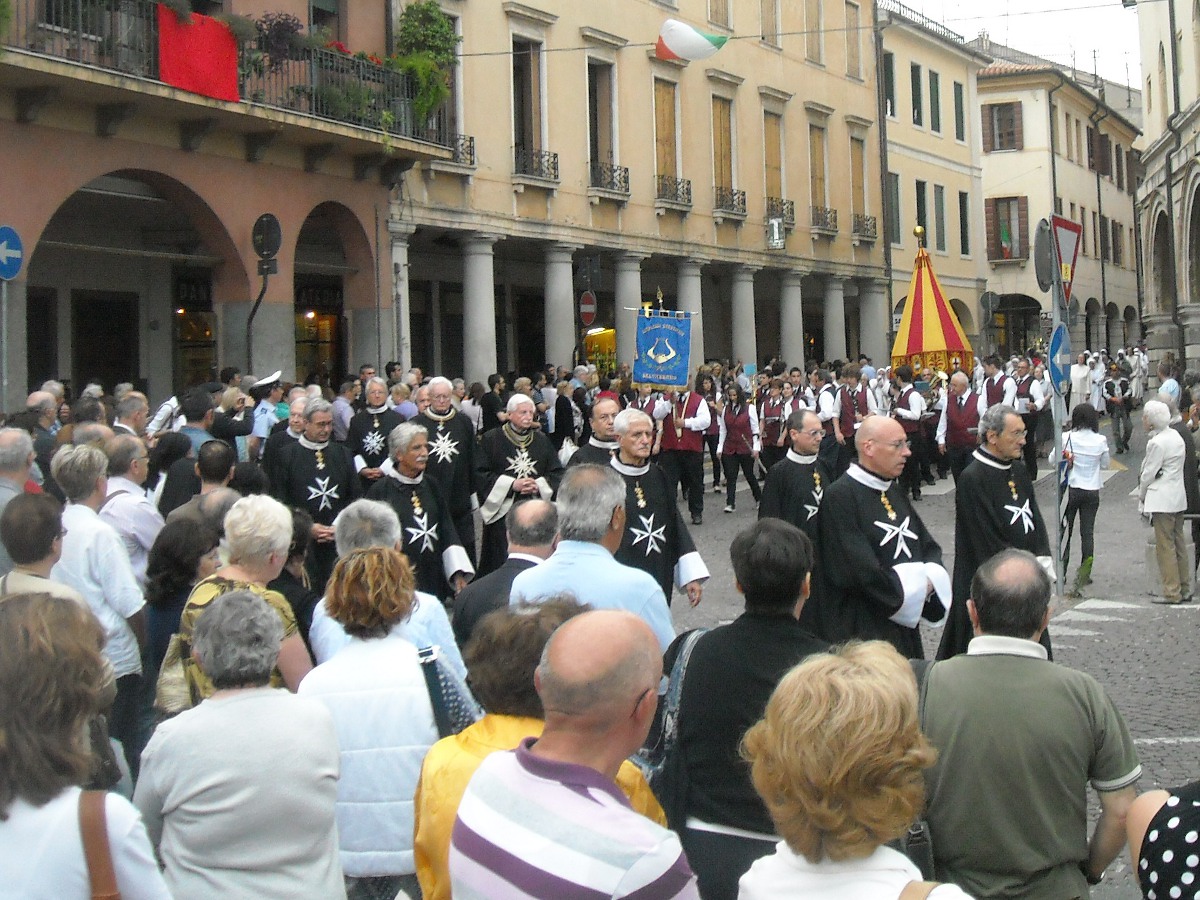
{"x": 41, "y": 851}
{"x": 915, "y": 408}
{"x": 1090, "y": 453}
{"x": 881, "y": 876}
{"x": 135, "y": 518}
{"x": 95, "y": 563}
{"x": 757, "y": 439}
{"x": 1035, "y": 401}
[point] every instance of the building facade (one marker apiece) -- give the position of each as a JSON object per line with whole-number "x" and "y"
{"x": 1050, "y": 145}
{"x": 934, "y": 161}
{"x": 1168, "y": 200}
{"x": 135, "y": 200}
{"x": 593, "y": 165}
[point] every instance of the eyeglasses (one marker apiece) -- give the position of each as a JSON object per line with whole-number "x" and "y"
{"x": 895, "y": 445}
{"x": 814, "y": 432}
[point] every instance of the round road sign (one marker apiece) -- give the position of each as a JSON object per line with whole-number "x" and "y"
{"x": 587, "y": 308}
{"x": 267, "y": 236}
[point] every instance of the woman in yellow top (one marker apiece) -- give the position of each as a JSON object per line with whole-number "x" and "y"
{"x": 501, "y": 657}
{"x": 258, "y": 533}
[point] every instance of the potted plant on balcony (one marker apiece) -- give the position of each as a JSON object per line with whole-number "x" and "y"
{"x": 425, "y": 51}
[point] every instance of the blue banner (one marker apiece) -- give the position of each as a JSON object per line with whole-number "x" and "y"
{"x": 664, "y": 349}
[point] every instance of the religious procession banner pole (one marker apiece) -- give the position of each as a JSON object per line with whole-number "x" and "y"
{"x": 664, "y": 347}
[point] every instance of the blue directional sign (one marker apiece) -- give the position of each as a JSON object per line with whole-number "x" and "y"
{"x": 1060, "y": 359}
{"x": 12, "y": 254}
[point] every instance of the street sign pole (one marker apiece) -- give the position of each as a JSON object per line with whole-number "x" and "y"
{"x": 12, "y": 257}
{"x": 1058, "y": 301}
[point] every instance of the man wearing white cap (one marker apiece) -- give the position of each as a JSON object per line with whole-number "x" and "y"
{"x": 267, "y": 392}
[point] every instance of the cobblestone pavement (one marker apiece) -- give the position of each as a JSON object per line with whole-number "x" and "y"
{"x": 1137, "y": 650}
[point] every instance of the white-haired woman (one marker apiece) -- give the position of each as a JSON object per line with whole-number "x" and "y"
{"x": 238, "y": 794}
{"x": 1162, "y": 497}
{"x": 258, "y": 534}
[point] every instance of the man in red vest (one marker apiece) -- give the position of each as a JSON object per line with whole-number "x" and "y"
{"x": 854, "y": 403}
{"x": 997, "y": 387}
{"x": 958, "y": 427}
{"x": 685, "y": 417}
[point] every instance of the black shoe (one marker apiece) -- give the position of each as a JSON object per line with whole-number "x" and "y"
{"x": 916, "y": 496}
{"x": 930, "y": 481}
{"x": 697, "y": 519}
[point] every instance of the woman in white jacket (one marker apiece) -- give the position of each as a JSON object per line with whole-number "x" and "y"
{"x": 1087, "y": 451}
{"x": 1162, "y": 497}
{"x": 383, "y": 717}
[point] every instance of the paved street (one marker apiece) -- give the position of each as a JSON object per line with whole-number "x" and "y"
{"x": 1142, "y": 653}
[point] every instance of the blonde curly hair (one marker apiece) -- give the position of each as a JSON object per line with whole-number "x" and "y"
{"x": 838, "y": 756}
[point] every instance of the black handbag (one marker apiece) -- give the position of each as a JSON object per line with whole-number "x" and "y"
{"x": 454, "y": 708}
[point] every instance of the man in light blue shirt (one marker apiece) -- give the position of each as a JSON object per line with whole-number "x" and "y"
{"x": 591, "y": 523}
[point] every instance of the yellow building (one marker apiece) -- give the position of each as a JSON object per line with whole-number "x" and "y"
{"x": 586, "y": 163}
{"x": 934, "y": 160}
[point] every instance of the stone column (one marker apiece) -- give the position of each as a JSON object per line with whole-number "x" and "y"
{"x": 628, "y": 290}
{"x": 835, "y": 318}
{"x": 745, "y": 336}
{"x": 401, "y": 301}
{"x": 791, "y": 319}
{"x": 479, "y": 308}
{"x": 559, "y": 304}
{"x": 873, "y": 321}
{"x": 689, "y": 301}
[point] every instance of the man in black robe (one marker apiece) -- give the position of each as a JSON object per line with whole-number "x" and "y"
{"x": 317, "y": 475}
{"x": 994, "y": 509}
{"x": 514, "y": 461}
{"x": 452, "y": 452}
{"x": 656, "y": 540}
{"x": 430, "y": 540}
{"x": 291, "y": 431}
{"x": 796, "y": 484}
{"x": 367, "y": 436}
{"x": 598, "y": 449}
{"x": 878, "y": 570}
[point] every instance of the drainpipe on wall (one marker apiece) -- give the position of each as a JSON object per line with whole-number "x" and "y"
{"x": 887, "y": 213}
{"x": 1173, "y": 129}
{"x": 1100, "y": 223}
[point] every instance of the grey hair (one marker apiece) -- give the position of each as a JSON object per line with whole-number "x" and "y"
{"x": 257, "y": 526}
{"x": 317, "y": 405}
{"x": 375, "y": 379}
{"x": 1156, "y": 413}
{"x": 531, "y": 523}
{"x": 15, "y": 446}
{"x": 993, "y": 419}
{"x": 519, "y": 400}
{"x": 236, "y": 640}
{"x": 403, "y": 435}
{"x": 54, "y": 387}
{"x": 440, "y": 381}
{"x": 365, "y": 524}
{"x": 75, "y": 468}
{"x": 93, "y": 390}
{"x": 296, "y": 392}
{"x": 129, "y": 405}
{"x": 586, "y": 500}
{"x": 626, "y": 417}
{"x": 1169, "y": 402}
{"x": 91, "y": 433}
{"x": 300, "y": 404}
{"x": 457, "y": 383}
{"x": 122, "y": 451}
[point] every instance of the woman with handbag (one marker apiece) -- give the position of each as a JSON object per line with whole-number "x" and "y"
{"x": 1086, "y": 452}
{"x": 183, "y": 554}
{"x": 52, "y": 677}
{"x": 384, "y": 712}
{"x": 738, "y": 444}
{"x": 238, "y": 793}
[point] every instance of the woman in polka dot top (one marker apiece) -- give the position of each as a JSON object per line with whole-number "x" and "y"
{"x": 1164, "y": 842}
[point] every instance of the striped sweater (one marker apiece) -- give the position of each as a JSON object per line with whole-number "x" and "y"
{"x": 529, "y": 827}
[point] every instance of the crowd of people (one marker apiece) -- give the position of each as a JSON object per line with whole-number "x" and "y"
{"x": 413, "y": 638}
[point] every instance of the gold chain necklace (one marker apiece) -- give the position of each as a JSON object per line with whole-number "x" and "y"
{"x": 1012, "y": 487}
{"x": 320, "y": 459}
{"x": 416, "y": 501}
{"x": 887, "y": 504}
{"x": 641, "y": 497}
{"x": 521, "y": 441}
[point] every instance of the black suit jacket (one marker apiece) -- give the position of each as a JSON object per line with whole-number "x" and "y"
{"x": 481, "y": 597}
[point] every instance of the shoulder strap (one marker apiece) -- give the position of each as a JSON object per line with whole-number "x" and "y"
{"x": 112, "y": 497}
{"x": 918, "y": 890}
{"x": 675, "y": 687}
{"x": 920, "y": 668}
{"x": 93, "y": 827}
{"x": 428, "y": 658}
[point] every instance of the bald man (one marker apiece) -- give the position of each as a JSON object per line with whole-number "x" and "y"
{"x": 877, "y": 566}
{"x": 598, "y": 683}
{"x": 958, "y": 427}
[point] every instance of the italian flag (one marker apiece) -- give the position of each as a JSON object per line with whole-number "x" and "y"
{"x": 679, "y": 41}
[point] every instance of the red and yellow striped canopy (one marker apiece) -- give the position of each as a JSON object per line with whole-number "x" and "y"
{"x": 930, "y": 333}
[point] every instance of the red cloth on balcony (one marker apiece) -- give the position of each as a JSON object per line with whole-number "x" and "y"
{"x": 200, "y": 56}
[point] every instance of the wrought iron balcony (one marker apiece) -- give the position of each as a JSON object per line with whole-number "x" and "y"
{"x": 865, "y": 227}
{"x": 729, "y": 200}
{"x": 824, "y": 218}
{"x": 673, "y": 190}
{"x": 463, "y": 148}
{"x": 536, "y": 163}
{"x": 609, "y": 177}
{"x": 123, "y": 36}
{"x": 778, "y": 208}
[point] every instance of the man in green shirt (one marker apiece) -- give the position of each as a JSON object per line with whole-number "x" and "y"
{"x": 1019, "y": 739}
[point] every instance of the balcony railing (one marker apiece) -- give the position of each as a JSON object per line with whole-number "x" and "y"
{"x": 609, "y": 177}
{"x": 865, "y": 227}
{"x": 463, "y": 148}
{"x": 122, "y": 36}
{"x": 824, "y": 218}
{"x": 536, "y": 163}
{"x": 673, "y": 190}
{"x": 778, "y": 208}
{"x": 729, "y": 200}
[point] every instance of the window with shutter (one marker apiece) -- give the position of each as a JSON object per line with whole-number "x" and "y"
{"x": 986, "y": 120}
{"x": 769, "y": 14}
{"x": 1007, "y": 238}
{"x": 853, "y": 42}
{"x": 960, "y": 112}
{"x": 1006, "y": 131}
{"x": 812, "y": 30}
{"x": 722, "y": 123}
{"x": 773, "y": 153}
{"x": 666, "y": 154}
{"x": 858, "y": 172}
{"x": 964, "y": 223}
{"x": 939, "y": 218}
{"x": 918, "y": 102}
{"x": 889, "y": 83}
{"x": 816, "y": 166}
{"x": 935, "y": 102}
